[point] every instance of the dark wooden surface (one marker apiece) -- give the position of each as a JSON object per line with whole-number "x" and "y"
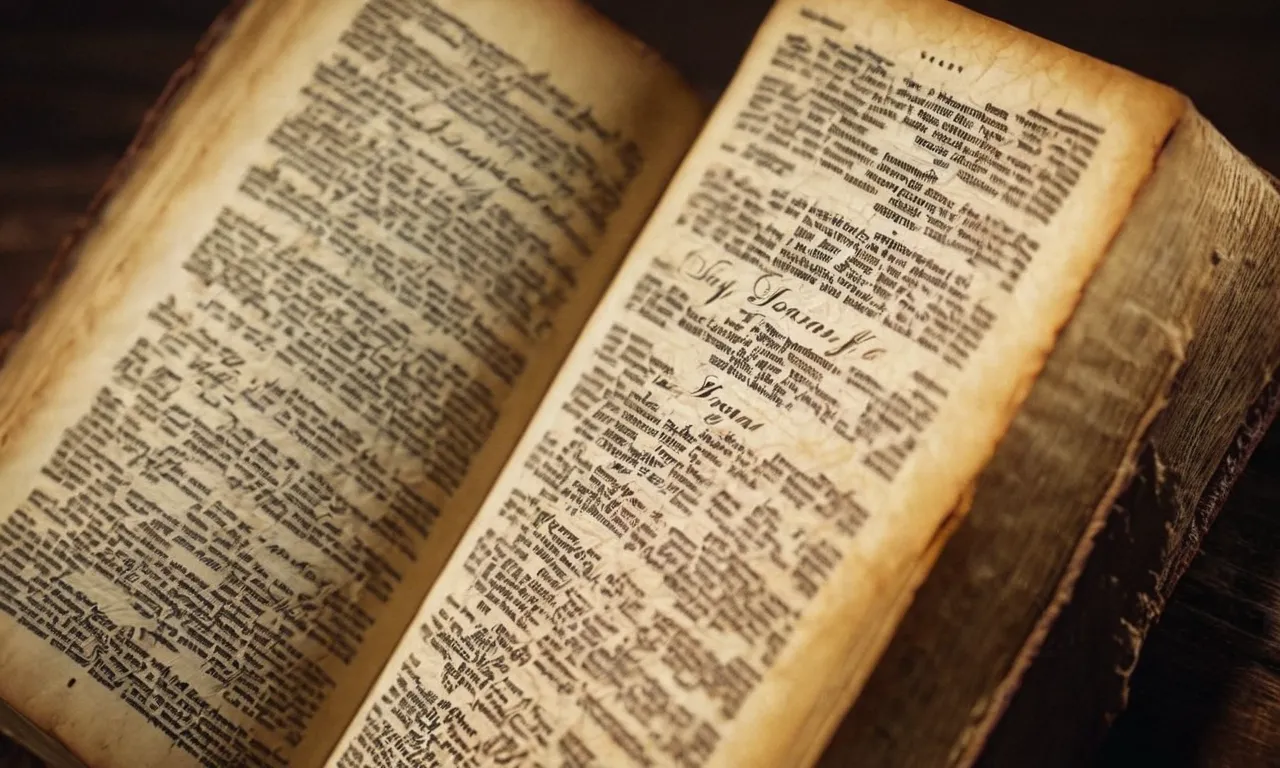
{"x": 1207, "y": 689}
{"x": 76, "y": 78}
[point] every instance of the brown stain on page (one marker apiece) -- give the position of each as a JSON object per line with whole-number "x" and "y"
{"x": 44, "y": 296}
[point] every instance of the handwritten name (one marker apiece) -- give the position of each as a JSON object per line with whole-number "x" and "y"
{"x": 768, "y": 294}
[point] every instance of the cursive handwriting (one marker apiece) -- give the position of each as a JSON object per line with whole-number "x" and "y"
{"x": 712, "y": 392}
{"x": 773, "y": 297}
{"x": 711, "y": 273}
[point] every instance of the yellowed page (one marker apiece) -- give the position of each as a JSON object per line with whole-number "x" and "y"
{"x": 239, "y": 444}
{"x": 713, "y": 524}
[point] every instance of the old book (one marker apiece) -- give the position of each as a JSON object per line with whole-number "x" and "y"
{"x": 436, "y": 385}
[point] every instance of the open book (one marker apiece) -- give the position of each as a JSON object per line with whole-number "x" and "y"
{"x": 437, "y": 385}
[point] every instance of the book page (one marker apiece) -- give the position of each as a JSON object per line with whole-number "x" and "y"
{"x": 767, "y": 431}
{"x": 240, "y": 443}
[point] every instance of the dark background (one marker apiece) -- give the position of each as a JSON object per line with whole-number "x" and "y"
{"x": 77, "y": 76}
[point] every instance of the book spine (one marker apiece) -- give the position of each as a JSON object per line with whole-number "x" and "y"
{"x": 1160, "y": 368}
{"x": 1078, "y": 681}
{"x": 1079, "y": 664}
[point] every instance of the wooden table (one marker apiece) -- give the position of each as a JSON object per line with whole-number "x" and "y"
{"x": 76, "y": 78}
